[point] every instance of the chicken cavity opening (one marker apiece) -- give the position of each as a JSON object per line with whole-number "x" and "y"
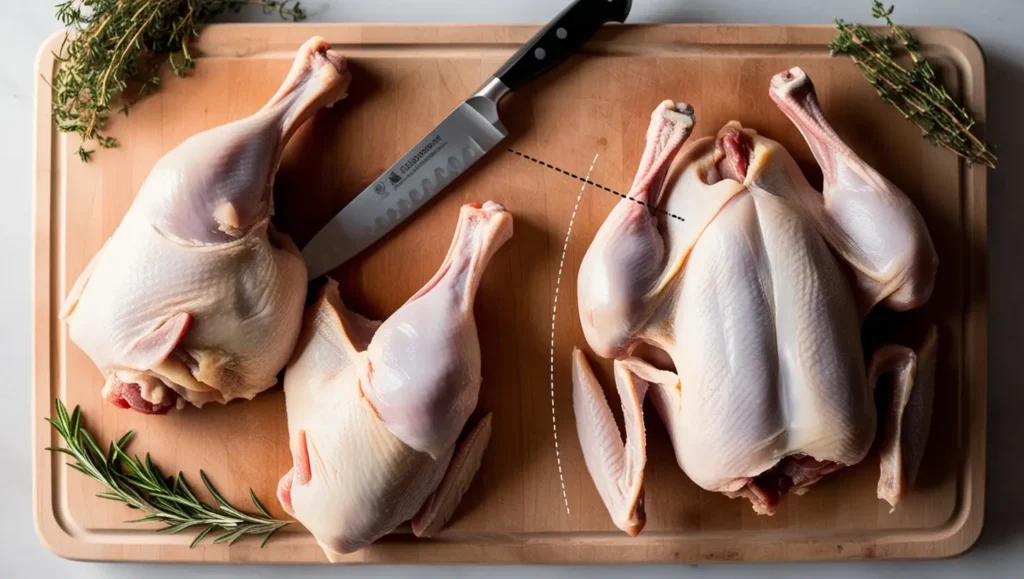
{"x": 792, "y": 474}
{"x": 147, "y": 396}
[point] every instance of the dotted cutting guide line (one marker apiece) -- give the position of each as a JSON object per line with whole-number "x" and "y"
{"x": 554, "y": 314}
{"x": 586, "y": 181}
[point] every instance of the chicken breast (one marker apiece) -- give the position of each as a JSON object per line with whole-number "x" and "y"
{"x": 375, "y": 409}
{"x": 741, "y": 322}
{"x": 195, "y": 298}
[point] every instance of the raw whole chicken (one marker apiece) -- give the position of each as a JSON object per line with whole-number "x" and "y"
{"x": 195, "y": 297}
{"x": 375, "y": 409}
{"x": 742, "y": 321}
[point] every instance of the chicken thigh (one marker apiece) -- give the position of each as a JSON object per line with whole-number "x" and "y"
{"x": 195, "y": 297}
{"x": 375, "y": 409}
{"x": 742, "y": 324}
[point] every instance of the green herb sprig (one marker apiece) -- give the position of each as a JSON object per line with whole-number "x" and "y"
{"x": 915, "y": 89}
{"x": 114, "y": 45}
{"x": 139, "y": 484}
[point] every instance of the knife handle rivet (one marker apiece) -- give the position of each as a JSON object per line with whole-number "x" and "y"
{"x": 562, "y": 33}
{"x": 540, "y": 53}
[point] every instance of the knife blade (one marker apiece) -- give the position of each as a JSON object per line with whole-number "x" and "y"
{"x": 454, "y": 145}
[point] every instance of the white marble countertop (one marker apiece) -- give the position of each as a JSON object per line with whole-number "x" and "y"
{"x": 994, "y": 23}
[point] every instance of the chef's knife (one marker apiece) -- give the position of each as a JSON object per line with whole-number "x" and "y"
{"x": 469, "y": 132}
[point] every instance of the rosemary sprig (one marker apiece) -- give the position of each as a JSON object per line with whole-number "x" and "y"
{"x": 139, "y": 484}
{"x": 112, "y": 45}
{"x": 914, "y": 89}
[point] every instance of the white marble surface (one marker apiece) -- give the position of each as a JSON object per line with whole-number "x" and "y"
{"x": 995, "y": 23}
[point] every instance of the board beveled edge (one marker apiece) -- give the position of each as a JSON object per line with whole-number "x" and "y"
{"x": 975, "y": 215}
{"x": 951, "y": 539}
{"x": 48, "y": 528}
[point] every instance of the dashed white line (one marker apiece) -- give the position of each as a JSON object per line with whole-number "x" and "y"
{"x": 554, "y": 313}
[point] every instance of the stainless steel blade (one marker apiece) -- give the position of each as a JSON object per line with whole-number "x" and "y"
{"x": 470, "y": 131}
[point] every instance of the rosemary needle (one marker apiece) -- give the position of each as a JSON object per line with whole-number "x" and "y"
{"x": 914, "y": 90}
{"x": 112, "y": 46}
{"x": 139, "y": 484}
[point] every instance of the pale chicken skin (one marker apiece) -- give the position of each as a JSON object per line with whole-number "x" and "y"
{"x": 195, "y": 297}
{"x": 375, "y": 410}
{"x": 742, "y": 322}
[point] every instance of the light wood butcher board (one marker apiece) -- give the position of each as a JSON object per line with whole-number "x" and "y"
{"x": 529, "y": 503}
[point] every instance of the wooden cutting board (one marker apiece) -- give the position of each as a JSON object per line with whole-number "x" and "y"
{"x": 532, "y": 501}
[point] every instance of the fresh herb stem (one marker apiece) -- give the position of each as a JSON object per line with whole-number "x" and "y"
{"x": 140, "y": 485}
{"x": 112, "y": 44}
{"x": 914, "y": 91}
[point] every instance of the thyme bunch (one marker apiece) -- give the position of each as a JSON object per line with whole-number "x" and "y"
{"x": 915, "y": 89}
{"x": 113, "y": 50}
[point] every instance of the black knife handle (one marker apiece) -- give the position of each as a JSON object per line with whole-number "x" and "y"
{"x": 559, "y": 39}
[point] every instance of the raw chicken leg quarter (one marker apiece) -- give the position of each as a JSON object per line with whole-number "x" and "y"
{"x": 741, "y": 321}
{"x": 375, "y": 409}
{"x": 195, "y": 297}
